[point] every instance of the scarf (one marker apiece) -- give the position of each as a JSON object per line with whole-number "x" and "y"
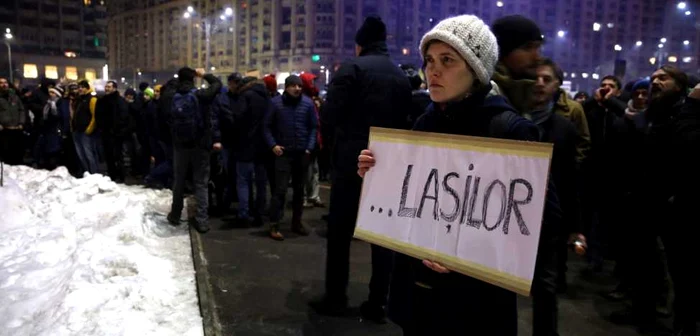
{"x": 539, "y": 116}
{"x": 50, "y": 107}
{"x": 518, "y": 91}
{"x": 631, "y": 112}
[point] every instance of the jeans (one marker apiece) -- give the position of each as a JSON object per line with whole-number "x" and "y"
{"x": 246, "y": 173}
{"x": 196, "y": 159}
{"x": 86, "y": 147}
{"x": 312, "y": 186}
{"x": 294, "y": 165}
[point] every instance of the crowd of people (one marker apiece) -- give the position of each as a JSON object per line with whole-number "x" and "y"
{"x": 623, "y": 181}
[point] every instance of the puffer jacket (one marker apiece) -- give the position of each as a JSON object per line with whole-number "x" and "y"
{"x": 291, "y": 123}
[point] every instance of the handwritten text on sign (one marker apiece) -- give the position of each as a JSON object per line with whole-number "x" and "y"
{"x": 473, "y": 204}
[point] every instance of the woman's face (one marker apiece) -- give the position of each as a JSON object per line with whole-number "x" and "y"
{"x": 448, "y": 75}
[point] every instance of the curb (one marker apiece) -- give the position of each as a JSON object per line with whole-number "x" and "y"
{"x": 207, "y": 306}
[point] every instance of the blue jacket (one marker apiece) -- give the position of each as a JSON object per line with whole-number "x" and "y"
{"x": 291, "y": 123}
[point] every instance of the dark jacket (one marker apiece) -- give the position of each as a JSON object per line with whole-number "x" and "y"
{"x": 686, "y": 142}
{"x": 84, "y": 114}
{"x": 369, "y": 90}
{"x": 205, "y": 98}
{"x": 224, "y": 108}
{"x": 291, "y": 123}
{"x": 249, "y": 122}
{"x": 488, "y": 309}
{"x": 420, "y": 99}
{"x": 111, "y": 115}
{"x": 51, "y": 129}
{"x": 601, "y": 120}
{"x": 151, "y": 118}
{"x": 36, "y": 103}
{"x": 12, "y": 112}
{"x": 561, "y": 132}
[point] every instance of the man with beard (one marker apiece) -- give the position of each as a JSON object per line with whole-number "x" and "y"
{"x": 110, "y": 116}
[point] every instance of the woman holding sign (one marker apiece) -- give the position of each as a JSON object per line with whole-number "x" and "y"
{"x": 459, "y": 55}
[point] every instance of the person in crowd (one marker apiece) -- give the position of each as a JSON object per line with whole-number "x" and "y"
{"x": 225, "y": 107}
{"x": 685, "y": 141}
{"x": 420, "y": 99}
{"x": 358, "y": 99}
{"x": 312, "y": 187}
{"x": 49, "y": 142}
{"x": 161, "y": 174}
{"x": 194, "y": 134}
{"x": 601, "y": 194}
{"x": 35, "y": 108}
{"x": 111, "y": 116}
{"x": 12, "y": 120}
{"x": 83, "y": 127}
{"x": 460, "y": 54}
{"x": 290, "y": 132}
{"x": 69, "y": 156}
{"x": 251, "y": 150}
{"x": 581, "y": 97}
{"x": 519, "y": 42}
{"x": 549, "y": 101}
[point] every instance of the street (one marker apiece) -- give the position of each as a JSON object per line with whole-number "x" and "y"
{"x": 257, "y": 286}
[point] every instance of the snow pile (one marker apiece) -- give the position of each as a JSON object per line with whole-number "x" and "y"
{"x": 90, "y": 257}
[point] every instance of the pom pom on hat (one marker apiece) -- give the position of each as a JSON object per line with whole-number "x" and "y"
{"x": 471, "y": 38}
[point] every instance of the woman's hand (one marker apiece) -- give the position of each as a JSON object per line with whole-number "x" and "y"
{"x": 435, "y": 267}
{"x": 364, "y": 162}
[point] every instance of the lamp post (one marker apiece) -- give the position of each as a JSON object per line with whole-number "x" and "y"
{"x": 8, "y": 37}
{"x": 207, "y": 24}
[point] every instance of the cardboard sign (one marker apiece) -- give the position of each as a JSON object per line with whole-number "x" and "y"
{"x": 475, "y": 205}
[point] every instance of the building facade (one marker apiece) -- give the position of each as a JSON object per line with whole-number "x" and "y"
{"x": 269, "y": 36}
{"x": 57, "y": 39}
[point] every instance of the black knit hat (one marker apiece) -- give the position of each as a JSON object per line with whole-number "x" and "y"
{"x": 186, "y": 74}
{"x": 292, "y": 80}
{"x": 513, "y": 32}
{"x": 373, "y": 30}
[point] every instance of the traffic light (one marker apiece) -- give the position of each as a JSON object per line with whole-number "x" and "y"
{"x": 315, "y": 58}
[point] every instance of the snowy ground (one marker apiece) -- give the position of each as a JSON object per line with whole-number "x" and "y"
{"x": 90, "y": 257}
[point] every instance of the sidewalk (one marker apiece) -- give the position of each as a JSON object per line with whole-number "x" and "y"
{"x": 252, "y": 285}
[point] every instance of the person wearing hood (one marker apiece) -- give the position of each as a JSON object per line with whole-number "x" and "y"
{"x": 312, "y": 187}
{"x": 12, "y": 119}
{"x": 290, "y": 132}
{"x": 271, "y": 85}
{"x": 250, "y": 149}
{"x": 564, "y": 169}
{"x": 460, "y": 54}
{"x": 111, "y": 116}
{"x": 195, "y": 133}
{"x": 358, "y": 98}
{"x": 83, "y": 127}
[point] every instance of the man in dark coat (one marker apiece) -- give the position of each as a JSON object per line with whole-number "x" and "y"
{"x": 111, "y": 115}
{"x": 368, "y": 90}
{"x": 250, "y": 149}
{"x": 193, "y": 150}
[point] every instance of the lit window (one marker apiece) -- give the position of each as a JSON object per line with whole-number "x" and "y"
{"x": 51, "y": 71}
{"x": 87, "y": 2}
{"x": 90, "y": 74}
{"x": 72, "y": 73}
{"x": 30, "y": 71}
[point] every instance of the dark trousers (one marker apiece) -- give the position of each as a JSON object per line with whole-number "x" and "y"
{"x": 382, "y": 266}
{"x": 345, "y": 199}
{"x": 114, "y": 156}
{"x": 197, "y": 160}
{"x": 163, "y": 169}
{"x": 11, "y": 148}
{"x": 247, "y": 173}
{"x": 292, "y": 164}
{"x": 680, "y": 240}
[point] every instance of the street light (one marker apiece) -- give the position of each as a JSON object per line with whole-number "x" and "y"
{"x": 208, "y": 24}
{"x": 596, "y": 26}
{"x": 595, "y": 76}
{"x": 618, "y": 47}
{"x": 687, "y": 13}
{"x": 687, "y": 59}
{"x": 190, "y": 9}
{"x": 673, "y": 59}
{"x": 638, "y": 44}
{"x": 561, "y": 33}
{"x": 661, "y": 45}
{"x": 228, "y": 11}
{"x": 8, "y": 37}
{"x": 681, "y": 5}
{"x": 663, "y": 40}
{"x": 584, "y": 75}
{"x": 686, "y": 42}
{"x": 499, "y": 4}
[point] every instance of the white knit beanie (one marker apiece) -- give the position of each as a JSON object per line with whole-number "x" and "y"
{"x": 472, "y": 39}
